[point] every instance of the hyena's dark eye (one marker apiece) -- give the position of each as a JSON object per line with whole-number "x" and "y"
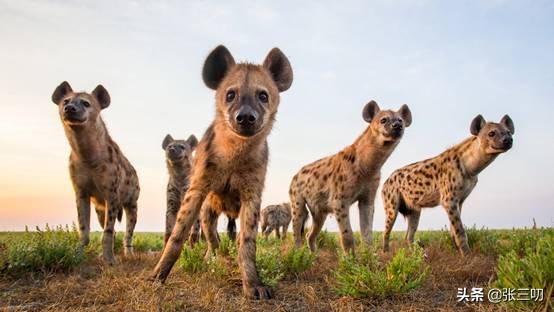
{"x": 263, "y": 97}
{"x": 230, "y": 96}
{"x": 491, "y": 134}
{"x": 383, "y": 120}
{"x": 65, "y": 102}
{"x": 87, "y": 104}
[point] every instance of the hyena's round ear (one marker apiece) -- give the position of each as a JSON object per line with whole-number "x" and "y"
{"x": 168, "y": 139}
{"x": 61, "y": 91}
{"x": 406, "y": 115}
{"x": 477, "y": 124}
{"x": 370, "y": 110}
{"x": 192, "y": 141}
{"x": 507, "y": 121}
{"x": 102, "y": 96}
{"x": 218, "y": 62}
{"x": 279, "y": 67}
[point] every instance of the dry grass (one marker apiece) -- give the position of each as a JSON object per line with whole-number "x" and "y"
{"x": 94, "y": 286}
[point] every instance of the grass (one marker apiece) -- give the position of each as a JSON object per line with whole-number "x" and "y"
{"x": 35, "y": 266}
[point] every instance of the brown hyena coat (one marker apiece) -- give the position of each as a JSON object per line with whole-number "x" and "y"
{"x": 275, "y": 217}
{"x": 446, "y": 179}
{"x": 97, "y": 167}
{"x": 178, "y": 154}
{"x": 229, "y": 169}
{"x": 334, "y": 183}
{"x": 178, "y": 157}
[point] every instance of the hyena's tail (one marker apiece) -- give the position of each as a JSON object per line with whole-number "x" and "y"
{"x": 231, "y": 228}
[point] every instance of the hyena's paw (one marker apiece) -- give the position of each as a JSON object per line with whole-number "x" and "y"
{"x": 109, "y": 259}
{"x": 259, "y": 292}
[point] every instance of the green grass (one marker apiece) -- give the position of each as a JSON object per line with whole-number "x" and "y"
{"x": 365, "y": 275}
{"x": 533, "y": 269}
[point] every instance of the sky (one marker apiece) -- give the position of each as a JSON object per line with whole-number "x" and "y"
{"x": 449, "y": 61}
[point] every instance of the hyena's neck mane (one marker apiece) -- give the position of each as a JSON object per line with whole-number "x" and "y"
{"x": 89, "y": 143}
{"x": 473, "y": 158}
{"x": 368, "y": 154}
{"x": 179, "y": 171}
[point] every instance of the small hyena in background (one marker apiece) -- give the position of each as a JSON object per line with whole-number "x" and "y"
{"x": 334, "y": 183}
{"x": 97, "y": 167}
{"x": 178, "y": 156}
{"x": 274, "y": 217}
{"x": 446, "y": 179}
{"x": 228, "y": 173}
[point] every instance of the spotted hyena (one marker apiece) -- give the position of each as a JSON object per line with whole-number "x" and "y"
{"x": 98, "y": 169}
{"x": 230, "y": 165}
{"x": 446, "y": 179}
{"x": 332, "y": 184}
{"x": 275, "y": 217}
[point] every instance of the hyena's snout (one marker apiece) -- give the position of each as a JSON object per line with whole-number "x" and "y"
{"x": 247, "y": 120}
{"x": 74, "y": 112}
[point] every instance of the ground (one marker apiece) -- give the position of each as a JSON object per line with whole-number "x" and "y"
{"x": 93, "y": 286}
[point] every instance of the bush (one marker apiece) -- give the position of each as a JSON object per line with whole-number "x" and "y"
{"x": 366, "y": 276}
{"x": 296, "y": 261}
{"x": 327, "y": 241}
{"x": 534, "y": 270}
{"x": 227, "y": 247}
{"x": 144, "y": 242}
{"x": 192, "y": 259}
{"x": 269, "y": 265}
{"x": 483, "y": 240}
{"x": 45, "y": 251}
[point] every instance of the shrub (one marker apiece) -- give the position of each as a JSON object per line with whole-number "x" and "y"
{"x": 269, "y": 265}
{"x": 483, "y": 240}
{"x": 227, "y": 247}
{"x": 366, "y": 276}
{"x": 45, "y": 251}
{"x": 192, "y": 259}
{"x": 327, "y": 241}
{"x": 534, "y": 270}
{"x": 296, "y": 261}
{"x": 143, "y": 242}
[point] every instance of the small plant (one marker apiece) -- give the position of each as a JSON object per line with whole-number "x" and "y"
{"x": 43, "y": 251}
{"x": 534, "y": 270}
{"x": 296, "y": 261}
{"x": 269, "y": 265}
{"x": 327, "y": 241}
{"x": 192, "y": 259}
{"x": 366, "y": 276}
{"x": 227, "y": 247}
{"x": 483, "y": 240}
{"x": 144, "y": 242}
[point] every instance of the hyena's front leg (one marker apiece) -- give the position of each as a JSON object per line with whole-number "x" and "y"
{"x": 112, "y": 209}
{"x": 343, "y": 220}
{"x": 83, "y": 215}
{"x": 209, "y": 226}
{"x": 249, "y": 214}
{"x": 187, "y": 215}
{"x": 413, "y": 221}
{"x": 173, "y": 204}
{"x": 456, "y": 227}
{"x": 131, "y": 221}
{"x": 366, "y": 209}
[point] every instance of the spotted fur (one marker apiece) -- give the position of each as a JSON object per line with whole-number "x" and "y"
{"x": 98, "y": 169}
{"x": 276, "y": 218}
{"x": 446, "y": 180}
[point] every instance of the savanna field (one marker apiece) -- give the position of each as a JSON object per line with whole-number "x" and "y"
{"x": 47, "y": 271}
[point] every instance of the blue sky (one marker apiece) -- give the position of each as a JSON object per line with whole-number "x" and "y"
{"x": 448, "y": 61}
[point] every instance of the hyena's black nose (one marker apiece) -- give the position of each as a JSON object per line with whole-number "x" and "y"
{"x": 507, "y": 141}
{"x": 69, "y": 108}
{"x": 246, "y": 116}
{"x": 396, "y": 125}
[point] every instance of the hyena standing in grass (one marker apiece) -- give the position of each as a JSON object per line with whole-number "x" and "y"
{"x": 231, "y": 159}
{"x": 334, "y": 183}
{"x": 446, "y": 179}
{"x": 275, "y": 217}
{"x": 178, "y": 154}
{"x": 97, "y": 167}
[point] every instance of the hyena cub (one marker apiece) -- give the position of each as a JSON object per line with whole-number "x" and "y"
{"x": 229, "y": 169}
{"x": 275, "y": 217}
{"x": 97, "y": 167}
{"x": 332, "y": 184}
{"x": 178, "y": 154}
{"x": 446, "y": 179}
